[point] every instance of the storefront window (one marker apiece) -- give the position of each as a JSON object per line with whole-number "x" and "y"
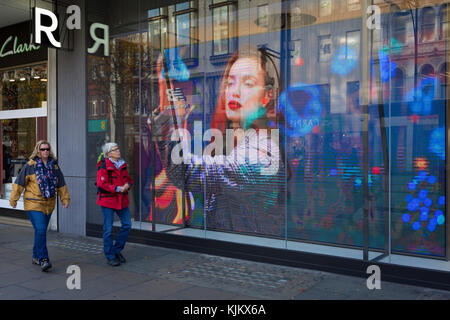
{"x": 19, "y": 136}
{"x": 21, "y": 88}
{"x": 24, "y": 88}
{"x": 339, "y": 181}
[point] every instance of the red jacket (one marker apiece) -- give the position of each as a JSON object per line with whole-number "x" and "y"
{"x": 108, "y": 178}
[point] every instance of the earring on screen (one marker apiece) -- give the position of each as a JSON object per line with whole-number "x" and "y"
{"x": 265, "y": 101}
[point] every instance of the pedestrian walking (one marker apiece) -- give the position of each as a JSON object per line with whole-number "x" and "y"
{"x": 42, "y": 179}
{"x": 113, "y": 183}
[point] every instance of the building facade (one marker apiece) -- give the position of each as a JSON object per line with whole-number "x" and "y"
{"x": 358, "y": 95}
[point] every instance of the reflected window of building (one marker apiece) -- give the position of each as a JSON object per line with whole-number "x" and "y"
{"x": 296, "y": 55}
{"x": 157, "y": 32}
{"x": 427, "y": 73}
{"x": 103, "y": 110}
{"x": 354, "y": 5}
{"x": 397, "y": 85}
{"x": 427, "y": 24}
{"x": 352, "y": 96}
{"x": 263, "y": 15}
{"x": 224, "y": 26}
{"x": 325, "y": 48}
{"x": 93, "y": 104}
{"x": 399, "y": 28}
{"x": 94, "y": 72}
{"x": 325, "y": 7}
{"x": 444, "y": 18}
{"x": 186, "y": 29}
{"x": 353, "y": 44}
{"x": 443, "y": 81}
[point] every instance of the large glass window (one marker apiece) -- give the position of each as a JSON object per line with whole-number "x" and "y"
{"x": 24, "y": 88}
{"x": 306, "y": 72}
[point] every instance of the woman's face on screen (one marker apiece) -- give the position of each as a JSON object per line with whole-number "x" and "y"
{"x": 245, "y": 92}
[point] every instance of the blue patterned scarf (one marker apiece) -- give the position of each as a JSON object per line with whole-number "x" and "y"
{"x": 46, "y": 177}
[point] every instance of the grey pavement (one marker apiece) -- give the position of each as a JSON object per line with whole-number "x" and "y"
{"x": 155, "y": 273}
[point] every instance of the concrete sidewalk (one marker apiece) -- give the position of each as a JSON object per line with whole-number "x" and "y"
{"x": 166, "y": 274}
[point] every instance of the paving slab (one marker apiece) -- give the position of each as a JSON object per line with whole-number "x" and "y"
{"x": 15, "y": 292}
{"x": 156, "y": 273}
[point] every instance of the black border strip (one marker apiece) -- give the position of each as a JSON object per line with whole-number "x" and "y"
{"x": 13, "y": 213}
{"x": 345, "y": 266}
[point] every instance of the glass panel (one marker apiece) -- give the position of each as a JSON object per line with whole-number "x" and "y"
{"x": 113, "y": 100}
{"x": 309, "y": 69}
{"x": 24, "y": 88}
{"x": 19, "y": 136}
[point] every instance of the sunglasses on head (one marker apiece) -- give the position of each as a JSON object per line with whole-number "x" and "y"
{"x": 45, "y": 149}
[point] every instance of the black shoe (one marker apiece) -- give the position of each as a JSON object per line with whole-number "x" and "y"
{"x": 114, "y": 262}
{"x": 121, "y": 258}
{"x": 35, "y": 261}
{"x": 45, "y": 265}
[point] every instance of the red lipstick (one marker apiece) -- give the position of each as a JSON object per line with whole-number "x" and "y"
{"x": 234, "y": 105}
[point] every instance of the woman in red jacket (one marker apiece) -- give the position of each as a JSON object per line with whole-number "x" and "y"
{"x": 113, "y": 183}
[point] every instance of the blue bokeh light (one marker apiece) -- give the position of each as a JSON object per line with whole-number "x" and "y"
{"x": 423, "y": 194}
{"x": 344, "y": 61}
{"x": 422, "y": 175}
{"x": 432, "y": 179}
{"x": 333, "y": 172}
{"x": 177, "y": 68}
{"x": 406, "y": 217}
{"x": 303, "y": 117}
{"x": 437, "y": 142}
{"x": 413, "y": 205}
{"x": 423, "y": 216}
{"x": 408, "y": 198}
{"x": 420, "y": 98}
{"x": 428, "y": 202}
{"x": 416, "y": 225}
{"x": 385, "y": 66}
{"x": 431, "y": 227}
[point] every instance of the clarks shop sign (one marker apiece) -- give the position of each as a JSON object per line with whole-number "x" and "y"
{"x": 17, "y": 46}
